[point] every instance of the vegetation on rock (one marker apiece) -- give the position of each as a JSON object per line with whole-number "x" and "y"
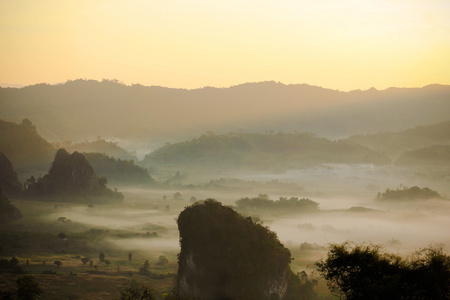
{"x": 227, "y": 256}
{"x": 71, "y": 176}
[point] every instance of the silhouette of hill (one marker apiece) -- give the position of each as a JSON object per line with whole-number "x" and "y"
{"x": 9, "y": 183}
{"x": 99, "y": 146}
{"x": 259, "y": 151}
{"x": 71, "y": 110}
{"x": 24, "y": 147}
{"x": 72, "y": 178}
{"x": 436, "y": 155}
{"x": 118, "y": 170}
{"x": 396, "y": 143}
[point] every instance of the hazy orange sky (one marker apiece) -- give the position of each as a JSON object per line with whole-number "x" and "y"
{"x": 344, "y": 45}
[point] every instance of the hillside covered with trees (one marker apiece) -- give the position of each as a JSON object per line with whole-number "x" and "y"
{"x": 436, "y": 155}
{"x": 118, "y": 170}
{"x": 396, "y": 143}
{"x": 99, "y": 146}
{"x": 259, "y": 151}
{"x": 24, "y": 147}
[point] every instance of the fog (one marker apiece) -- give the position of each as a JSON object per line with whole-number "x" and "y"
{"x": 122, "y": 193}
{"x": 401, "y": 227}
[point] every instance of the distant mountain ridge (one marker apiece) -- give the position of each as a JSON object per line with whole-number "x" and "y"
{"x": 82, "y": 109}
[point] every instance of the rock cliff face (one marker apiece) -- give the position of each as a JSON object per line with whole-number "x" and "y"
{"x": 9, "y": 183}
{"x": 226, "y": 256}
{"x": 71, "y": 175}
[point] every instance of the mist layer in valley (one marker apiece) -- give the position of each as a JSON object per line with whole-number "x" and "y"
{"x": 312, "y": 183}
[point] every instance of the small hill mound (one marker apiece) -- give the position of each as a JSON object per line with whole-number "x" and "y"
{"x": 71, "y": 176}
{"x": 226, "y": 256}
{"x": 408, "y": 194}
{"x": 283, "y": 205}
{"x": 9, "y": 183}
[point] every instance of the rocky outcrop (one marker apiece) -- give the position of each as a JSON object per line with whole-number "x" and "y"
{"x": 9, "y": 183}
{"x": 226, "y": 256}
{"x": 71, "y": 175}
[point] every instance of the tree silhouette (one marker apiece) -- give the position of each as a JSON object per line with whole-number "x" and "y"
{"x": 85, "y": 260}
{"x": 365, "y": 272}
{"x": 28, "y": 288}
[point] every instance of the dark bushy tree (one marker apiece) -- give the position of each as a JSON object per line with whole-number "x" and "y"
{"x": 365, "y": 272}
{"x": 162, "y": 260}
{"x": 28, "y": 288}
{"x": 57, "y": 263}
{"x": 85, "y": 260}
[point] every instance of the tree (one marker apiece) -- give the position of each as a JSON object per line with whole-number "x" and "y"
{"x": 58, "y": 263}
{"x": 85, "y": 260}
{"x": 144, "y": 269}
{"x": 162, "y": 260}
{"x": 365, "y": 272}
{"x": 101, "y": 257}
{"x": 14, "y": 261}
{"x": 130, "y": 256}
{"x": 136, "y": 292}
{"x": 28, "y": 288}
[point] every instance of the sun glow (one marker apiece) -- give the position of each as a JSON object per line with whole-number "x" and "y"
{"x": 342, "y": 45}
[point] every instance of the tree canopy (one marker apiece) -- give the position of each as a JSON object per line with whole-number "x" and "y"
{"x": 366, "y": 272}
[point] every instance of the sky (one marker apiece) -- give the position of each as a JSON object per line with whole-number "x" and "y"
{"x": 344, "y": 45}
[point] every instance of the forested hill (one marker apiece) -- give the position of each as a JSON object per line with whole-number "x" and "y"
{"x": 24, "y": 147}
{"x": 269, "y": 150}
{"x": 396, "y": 143}
{"x": 99, "y": 146}
{"x": 71, "y": 110}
